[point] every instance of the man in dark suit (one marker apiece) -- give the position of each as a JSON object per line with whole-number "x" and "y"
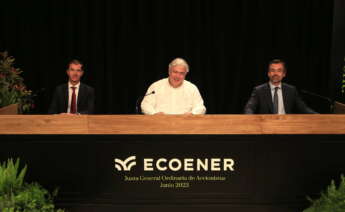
{"x": 73, "y": 97}
{"x": 276, "y": 97}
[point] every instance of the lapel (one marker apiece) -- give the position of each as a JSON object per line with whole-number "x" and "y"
{"x": 65, "y": 96}
{"x": 81, "y": 95}
{"x": 268, "y": 97}
{"x": 285, "y": 97}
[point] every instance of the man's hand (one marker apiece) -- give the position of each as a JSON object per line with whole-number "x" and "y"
{"x": 68, "y": 114}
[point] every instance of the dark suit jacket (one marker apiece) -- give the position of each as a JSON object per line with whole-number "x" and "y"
{"x": 261, "y": 100}
{"x": 85, "y": 100}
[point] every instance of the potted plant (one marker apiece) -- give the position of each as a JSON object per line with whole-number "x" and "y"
{"x": 332, "y": 200}
{"x": 13, "y": 92}
{"x": 19, "y": 196}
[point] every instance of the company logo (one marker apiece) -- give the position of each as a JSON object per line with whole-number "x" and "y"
{"x": 125, "y": 165}
{"x": 177, "y": 164}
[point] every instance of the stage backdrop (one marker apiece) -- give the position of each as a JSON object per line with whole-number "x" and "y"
{"x": 127, "y": 45}
{"x": 338, "y": 52}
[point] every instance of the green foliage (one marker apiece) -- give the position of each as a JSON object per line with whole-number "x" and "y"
{"x": 332, "y": 200}
{"x": 18, "y": 196}
{"x": 9, "y": 177}
{"x": 12, "y": 87}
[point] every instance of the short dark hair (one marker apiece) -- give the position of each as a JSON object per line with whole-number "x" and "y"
{"x": 76, "y": 62}
{"x": 277, "y": 61}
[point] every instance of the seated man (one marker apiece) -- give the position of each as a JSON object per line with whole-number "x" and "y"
{"x": 73, "y": 97}
{"x": 276, "y": 97}
{"x": 173, "y": 95}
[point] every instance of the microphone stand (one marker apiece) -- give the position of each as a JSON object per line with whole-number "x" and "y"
{"x": 329, "y": 100}
{"x": 140, "y": 98}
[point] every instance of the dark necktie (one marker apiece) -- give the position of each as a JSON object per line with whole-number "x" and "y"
{"x": 275, "y": 100}
{"x": 73, "y": 101}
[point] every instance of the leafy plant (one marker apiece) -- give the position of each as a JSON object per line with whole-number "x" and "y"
{"x": 12, "y": 87}
{"x": 333, "y": 200}
{"x": 18, "y": 196}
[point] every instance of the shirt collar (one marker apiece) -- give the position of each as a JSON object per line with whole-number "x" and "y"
{"x": 272, "y": 87}
{"x": 70, "y": 85}
{"x": 179, "y": 87}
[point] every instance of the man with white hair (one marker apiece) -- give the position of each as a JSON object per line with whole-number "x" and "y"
{"x": 173, "y": 95}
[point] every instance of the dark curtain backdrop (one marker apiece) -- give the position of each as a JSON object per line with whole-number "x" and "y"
{"x": 127, "y": 44}
{"x": 338, "y": 52}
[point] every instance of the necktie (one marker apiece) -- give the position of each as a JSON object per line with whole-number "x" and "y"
{"x": 275, "y": 100}
{"x": 73, "y": 101}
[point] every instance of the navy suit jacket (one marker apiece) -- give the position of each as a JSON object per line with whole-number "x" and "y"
{"x": 260, "y": 101}
{"x": 85, "y": 100}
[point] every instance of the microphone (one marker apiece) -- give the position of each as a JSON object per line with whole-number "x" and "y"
{"x": 329, "y": 100}
{"x": 140, "y": 98}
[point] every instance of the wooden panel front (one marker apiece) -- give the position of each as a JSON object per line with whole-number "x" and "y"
{"x": 172, "y": 124}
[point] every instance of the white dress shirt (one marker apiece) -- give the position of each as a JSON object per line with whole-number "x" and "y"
{"x": 70, "y": 91}
{"x": 281, "y": 109}
{"x": 169, "y": 100}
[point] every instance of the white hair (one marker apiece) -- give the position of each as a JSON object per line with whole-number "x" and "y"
{"x": 179, "y": 62}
